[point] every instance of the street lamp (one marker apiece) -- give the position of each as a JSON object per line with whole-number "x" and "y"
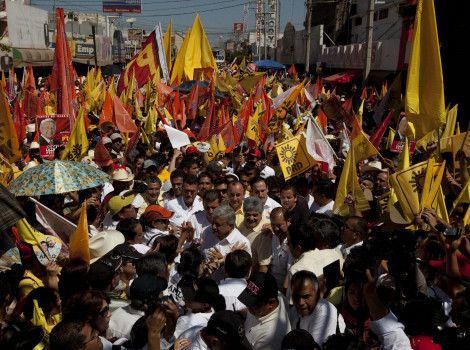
{"x": 93, "y": 22}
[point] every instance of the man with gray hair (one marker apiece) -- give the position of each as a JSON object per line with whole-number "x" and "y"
{"x": 252, "y": 227}
{"x": 222, "y": 236}
{"x": 47, "y": 131}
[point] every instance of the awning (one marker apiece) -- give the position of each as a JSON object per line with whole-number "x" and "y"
{"x": 342, "y": 78}
{"x": 91, "y": 61}
{"x": 34, "y": 57}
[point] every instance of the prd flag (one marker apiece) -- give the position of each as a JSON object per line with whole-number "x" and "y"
{"x": 77, "y": 144}
{"x": 363, "y": 148}
{"x": 145, "y": 64}
{"x": 79, "y": 247}
{"x": 293, "y": 157}
{"x": 9, "y": 145}
{"x": 424, "y": 100}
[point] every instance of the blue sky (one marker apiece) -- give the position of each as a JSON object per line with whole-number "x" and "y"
{"x": 217, "y": 16}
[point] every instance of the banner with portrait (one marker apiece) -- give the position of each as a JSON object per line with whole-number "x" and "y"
{"x": 53, "y": 132}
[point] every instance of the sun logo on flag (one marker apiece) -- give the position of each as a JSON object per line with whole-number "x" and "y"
{"x": 288, "y": 154}
{"x": 417, "y": 180}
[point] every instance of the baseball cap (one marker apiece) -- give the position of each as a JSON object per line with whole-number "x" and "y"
{"x": 31, "y": 128}
{"x": 255, "y": 153}
{"x": 462, "y": 261}
{"x": 156, "y": 212}
{"x": 34, "y": 145}
{"x": 116, "y": 203}
{"x": 115, "y": 136}
{"x": 260, "y": 287}
{"x": 122, "y": 174}
{"x": 201, "y": 290}
{"x": 267, "y": 172}
{"x": 147, "y": 286}
{"x": 191, "y": 150}
{"x": 107, "y": 140}
{"x": 127, "y": 252}
{"x": 215, "y": 166}
{"x": 150, "y": 162}
{"x": 229, "y": 327}
{"x": 104, "y": 270}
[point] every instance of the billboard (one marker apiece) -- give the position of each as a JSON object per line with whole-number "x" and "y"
{"x": 237, "y": 28}
{"x": 135, "y": 34}
{"x": 122, "y": 6}
{"x": 84, "y": 50}
{"x": 27, "y": 26}
{"x": 54, "y": 131}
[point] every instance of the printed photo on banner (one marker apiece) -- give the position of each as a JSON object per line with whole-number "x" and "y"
{"x": 54, "y": 131}
{"x": 49, "y": 250}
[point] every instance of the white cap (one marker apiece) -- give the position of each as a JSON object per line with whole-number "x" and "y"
{"x": 31, "y": 128}
{"x": 34, "y": 145}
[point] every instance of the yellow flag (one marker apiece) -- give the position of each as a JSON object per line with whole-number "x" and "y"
{"x": 403, "y": 163}
{"x": 446, "y": 140}
{"x": 30, "y": 235}
{"x": 112, "y": 88}
{"x": 424, "y": 101}
{"x": 221, "y": 144}
{"x": 252, "y": 130}
{"x": 79, "y": 247}
{"x": 77, "y": 144}
{"x": 466, "y": 218}
{"x": 391, "y": 136}
{"x": 39, "y": 319}
{"x": 150, "y": 125}
{"x": 145, "y": 141}
{"x": 464, "y": 196}
{"x": 363, "y": 148}
{"x": 349, "y": 184}
{"x": 178, "y": 66}
{"x": 440, "y": 207}
{"x": 430, "y": 198}
{"x": 89, "y": 86}
{"x": 243, "y": 64}
{"x": 9, "y": 145}
{"x": 198, "y": 52}
{"x": 128, "y": 99}
{"x": 293, "y": 157}
{"x": 360, "y": 111}
{"x": 167, "y": 46}
{"x": 214, "y": 149}
{"x": 457, "y": 129}
{"x": 98, "y": 77}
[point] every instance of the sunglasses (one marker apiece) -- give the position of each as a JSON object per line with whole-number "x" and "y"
{"x": 163, "y": 221}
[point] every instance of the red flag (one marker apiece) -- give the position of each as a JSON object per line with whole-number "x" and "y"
{"x": 317, "y": 88}
{"x": 107, "y": 111}
{"x": 102, "y": 156}
{"x": 347, "y": 105}
{"x": 226, "y": 133}
{"x": 323, "y": 121}
{"x": 29, "y": 83}
{"x": 209, "y": 123}
{"x": 162, "y": 118}
{"x": 30, "y": 104}
{"x": 193, "y": 100}
{"x": 20, "y": 124}
{"x": 121, "y": 117}
{"x": 61, "y": 79}
{"x": 144, "y": 64}
{"x": 259, "y": 89}
{"x": 380, "y": 131}
{"x": 163, "y": 92}
{"x": 139, "y": 96}
{"x": 291, "y": 71}
{"x": 364, "y": 94}
{"x": 268, "y": 113}
{"x": 132, "y": 142}
{"x": 242, "y": 122}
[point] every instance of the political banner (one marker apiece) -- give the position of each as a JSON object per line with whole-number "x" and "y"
{"x": 293, "y": 157}
{"x": 54, "y": 131}
{"x": 397, "y": 146}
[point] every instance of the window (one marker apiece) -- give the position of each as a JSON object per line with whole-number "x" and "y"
{"x": 383, "y": 14}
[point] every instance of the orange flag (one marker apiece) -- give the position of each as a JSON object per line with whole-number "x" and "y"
{"x": 79, "y": 247}
{"x": 364, "y": 94}
{"x": 102, "y": 156}
{"x": 121, "y": 117}
{"x": 107, "y": 111}
{"x": 193, "y": 101}
{"x": 61, "y": 79}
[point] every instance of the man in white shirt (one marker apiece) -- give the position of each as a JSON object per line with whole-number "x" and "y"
{"x": 223, "y": 236}
{"x": 303, "y": 246}
{"x": 203, "y": 219}
{"x": 259, "y": 189}
{"x": 312, "y": 313}
{"x": 281, "y": 258}
{"x": 187, "y": 204}
{"x": 353, "y": 233}
{"x": 237, "y": 269}
{"x": 267, "y": 321}
{"x": 324, "y": 197}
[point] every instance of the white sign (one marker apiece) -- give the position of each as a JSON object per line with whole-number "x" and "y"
{"x": 177, "y": 138}
{"x": 271, "y": 34}
{"x": 26, "y": 26}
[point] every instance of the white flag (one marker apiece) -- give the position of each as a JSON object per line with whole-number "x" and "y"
{"x": 318, "y": 146}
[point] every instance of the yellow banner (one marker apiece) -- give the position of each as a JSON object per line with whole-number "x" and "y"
{"x": 293, "y": 157}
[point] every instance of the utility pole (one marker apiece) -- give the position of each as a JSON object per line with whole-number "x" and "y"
{"x": 307, "y": 31}
{"x": 264, "y": 27}
{"x": 369, "y": 35}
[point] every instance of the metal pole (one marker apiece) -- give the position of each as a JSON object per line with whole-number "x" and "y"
{"x": 369, "y": 34}
{"x": 264, "y": 27}
{"x": 94, "y": 44}
{"x": 307, "y": 30}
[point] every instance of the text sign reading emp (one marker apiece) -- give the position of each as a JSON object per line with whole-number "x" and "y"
{"x": 122, "y": 6}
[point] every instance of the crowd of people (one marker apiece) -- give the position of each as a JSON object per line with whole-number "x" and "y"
{"x": 192, "y": 253}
